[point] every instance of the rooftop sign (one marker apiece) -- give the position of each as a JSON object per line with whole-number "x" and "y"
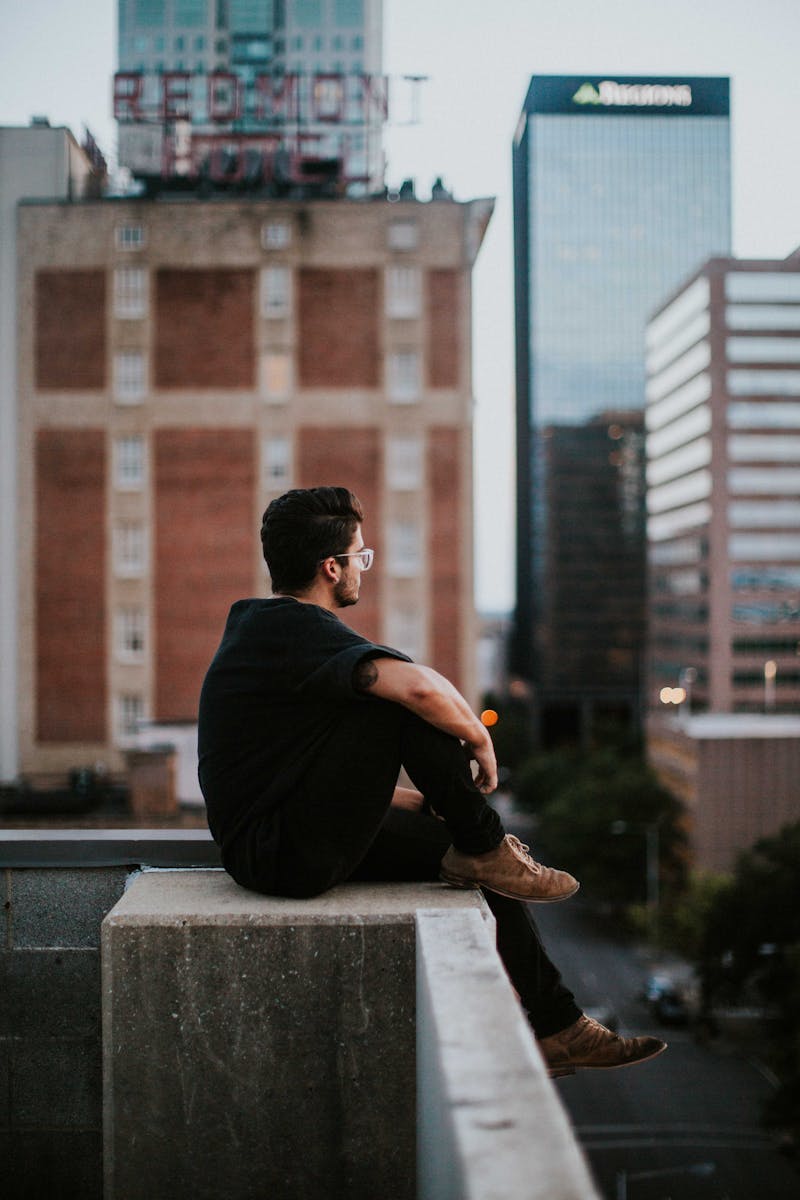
{"x": 628, "y": 95}
{"x": 637, "y": 95}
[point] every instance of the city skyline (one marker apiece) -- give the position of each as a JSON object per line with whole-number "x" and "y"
{"x": 469, "y": 109}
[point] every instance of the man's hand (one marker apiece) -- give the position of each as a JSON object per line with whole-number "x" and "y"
{"x": 432, "y": 697}
{"x": 483, "y": 755}
{"x": 408, "y": 798}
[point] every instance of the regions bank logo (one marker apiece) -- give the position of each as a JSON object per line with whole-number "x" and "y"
{"x": 634, "y": 95}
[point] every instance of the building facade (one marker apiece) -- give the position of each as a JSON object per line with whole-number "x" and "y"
{"x": 723, "y": 447}
{"x": 621, "y": 186}
{"x": 275, "y": 91}
{"x": 34, "y": 161}
{"x": 180, "y": 363}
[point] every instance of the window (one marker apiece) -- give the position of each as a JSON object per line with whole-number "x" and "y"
{"x": 763, "y": 415}
{"x": 403, "y": 235}
{"x": 762, "y": 285}
{"x": 764, "y": 514}
{"x": 276, "y": 285}
{"x": 277, "y": 462}
{"x": 754, "y": 447}
{"x": 763, "y": 349}
{"x": 764, "y": 383}
{"x": 404, "y": 375}
{"x": 129, "y": 550}
{"x": 764, "y": 481}
{"x": 129, "y": 376}
{"x": 276, "y": 235}
{"x": 130, "y": 292}
{"x": 307, "y": 13}
{"x": 404, "y": 548}
{"x": 130, "y": 237}
{"x": 348, "y": 12}
{"x": 404, "y": 632}
{"x": 276, "y": 378}
{"x": 404, "y": 462}
{"x": 129, "y": 635}
{"x": 129, "y": 469}
{"x": 130, "y": 715}
{"x": 403, "y": 292}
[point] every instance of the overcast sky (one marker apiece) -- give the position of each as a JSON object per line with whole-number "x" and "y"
{"x": 59, "y": 56}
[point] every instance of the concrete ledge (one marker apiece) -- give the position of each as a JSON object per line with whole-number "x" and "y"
{"x": 490, "y": 1123}
{"x": 363, "y": 1044}
{"x": 256, "y": 1046}
{"x": 107, "y": 848}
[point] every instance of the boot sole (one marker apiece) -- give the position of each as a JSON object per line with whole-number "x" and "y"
{"x": 558, "y": 1072}
{"x": 471, "y": 885}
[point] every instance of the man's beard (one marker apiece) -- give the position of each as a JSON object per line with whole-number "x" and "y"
{"x": 345, "y": 593}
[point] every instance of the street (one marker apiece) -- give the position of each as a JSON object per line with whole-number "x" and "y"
{"x": 684, "y": 1126}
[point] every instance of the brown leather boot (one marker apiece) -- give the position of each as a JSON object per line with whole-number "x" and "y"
{"x": 589, "y": 1045}
{"x": 508, "y": 870}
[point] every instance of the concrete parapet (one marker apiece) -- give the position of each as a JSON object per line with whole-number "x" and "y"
{"x": 259, "y": 1046}
{"x": 256, "y": 1046}
{"x": 490, "y": 1124}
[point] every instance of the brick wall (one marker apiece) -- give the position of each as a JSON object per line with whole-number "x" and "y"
{"x": 338, "y": 337}
{"x": 70, "y": 585}
{"x": 204, "y": 537}
{"x": 70, "y": 330}
{"x": 443, "y": 327}
{"x": 444, "y": 551}
{"x": 204, "y": 329}
{"x": 350, "y": 458}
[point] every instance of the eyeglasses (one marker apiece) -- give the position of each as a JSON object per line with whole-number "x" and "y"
{"x": 364, "y": 557}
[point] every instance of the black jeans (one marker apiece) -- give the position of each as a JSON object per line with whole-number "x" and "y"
{"x": 340, "y": 826}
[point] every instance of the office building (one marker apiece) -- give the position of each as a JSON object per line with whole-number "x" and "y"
{"x": 621, "y": 187}
{"x": 723, "y": 448}
{"x": 246, "y": 91}
{"x": 183, "y": 361}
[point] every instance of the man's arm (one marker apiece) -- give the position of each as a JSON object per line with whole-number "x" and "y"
{"x": 432, "y": 697}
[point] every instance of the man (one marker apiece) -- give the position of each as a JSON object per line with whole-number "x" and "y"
{"x": 304, "y": 726}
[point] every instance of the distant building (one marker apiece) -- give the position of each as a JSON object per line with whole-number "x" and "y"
{"x": 180, "y": 363}
{"x": 34, "y": 161}
{"x": 723, "y": 448}
{"x": 735, "y": 774}
{"x": 244, "y": 92}
{"x": 621, "y": 186}
{"x": 592, "y": 598}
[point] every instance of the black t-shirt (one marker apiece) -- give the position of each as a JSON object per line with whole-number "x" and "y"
{"x": 268, "y": 704}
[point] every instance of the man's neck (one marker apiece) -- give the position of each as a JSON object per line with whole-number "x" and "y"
{"x": 319, "y": 595}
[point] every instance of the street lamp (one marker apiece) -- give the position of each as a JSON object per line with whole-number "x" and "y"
{"x": 624, "y": 1177}
{"x": 685, "y": 680}
{"x": 770, "y": 671}
{"x": 651, "y": 833}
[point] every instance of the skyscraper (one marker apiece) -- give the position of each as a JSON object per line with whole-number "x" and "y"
{"x": 621, "y": 187}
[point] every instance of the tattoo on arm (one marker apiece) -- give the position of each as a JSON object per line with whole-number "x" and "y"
{"x": 365, "y": 675}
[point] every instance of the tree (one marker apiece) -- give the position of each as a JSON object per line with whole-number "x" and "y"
{"x": 594, "y": 810}
{"x": 750, "y": 953}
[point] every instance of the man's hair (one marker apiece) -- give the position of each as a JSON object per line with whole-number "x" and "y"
{"x": 304, "y": 526}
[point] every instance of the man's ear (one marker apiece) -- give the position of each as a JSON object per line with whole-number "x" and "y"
{"x": 328, "y": 566}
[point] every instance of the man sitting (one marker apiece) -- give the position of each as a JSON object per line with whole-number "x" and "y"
{"x": 304, "y": 727}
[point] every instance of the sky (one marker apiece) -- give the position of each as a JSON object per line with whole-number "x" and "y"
{"x": 59, "y": 56}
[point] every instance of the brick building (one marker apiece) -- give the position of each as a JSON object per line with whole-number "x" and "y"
{"x": 180, "y": 363}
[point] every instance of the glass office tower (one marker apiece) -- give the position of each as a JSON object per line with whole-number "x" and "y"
{"x": 621, "y": 188}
